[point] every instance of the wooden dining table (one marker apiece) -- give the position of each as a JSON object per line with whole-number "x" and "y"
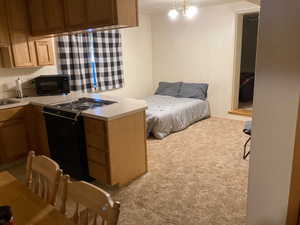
{"x": 27, "y": 207}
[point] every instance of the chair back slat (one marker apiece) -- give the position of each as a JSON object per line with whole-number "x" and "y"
{"x": 43, "y": 176}
{"x": 95, "y": 219}
{"x": 98, "y": 205}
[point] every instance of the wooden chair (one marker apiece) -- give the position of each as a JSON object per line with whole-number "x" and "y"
{"x": 43, "y": 177}
{"x": 98, "y": 206}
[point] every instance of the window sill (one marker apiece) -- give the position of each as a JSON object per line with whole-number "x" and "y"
{"x": 241, "y": 112}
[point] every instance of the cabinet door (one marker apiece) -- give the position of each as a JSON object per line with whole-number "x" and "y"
{"x": 4, "y": 38}
{"x": 17, "y": 15}
{"x": 41, "y": 132}
{"x": 127, "y": 13}
{"x": 44, "y": 52}
{"x": 23, "y": 50}
{"x": 75, "y": 13}
{"x": 88, "y": 13}
{"x": 100, "y": 12}
{"x": 46, "y": 16}
{"x": 13, "y": 140}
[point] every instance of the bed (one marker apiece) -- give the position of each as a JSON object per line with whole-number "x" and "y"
{"x": 168, "y": 114}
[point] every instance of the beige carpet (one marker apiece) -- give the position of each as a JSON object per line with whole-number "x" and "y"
{"x": 196, "y": 177}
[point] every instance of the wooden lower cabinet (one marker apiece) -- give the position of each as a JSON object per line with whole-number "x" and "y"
{"x": 39, "y": 131}
{"x": 22, "y": 129}
{"x": 14, "y": 144}
{"x": 116, "y": 149}
{"x": 13, "y": 134}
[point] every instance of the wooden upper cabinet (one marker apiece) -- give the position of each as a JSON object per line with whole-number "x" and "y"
{"x": 44, "y": 52}
{"x": 104, "y": 8}
{"x": 4, "y": 36}
{"x": 46, "y": 16}
{"x": 22, "y": 52}
{"x": 75, "y": 13}
{"x": 127, "y": 13}
{"x": 88, "y": 13}
{"x": 61, "y": 16}
{"x": 17, "y": 15}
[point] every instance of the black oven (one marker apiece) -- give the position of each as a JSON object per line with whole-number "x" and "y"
{"x": 52, "y": 85}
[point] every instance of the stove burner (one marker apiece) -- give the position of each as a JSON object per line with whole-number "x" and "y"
{"x": 83, "y": 104}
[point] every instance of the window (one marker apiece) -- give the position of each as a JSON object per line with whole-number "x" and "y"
{"x": 92, "y": 60}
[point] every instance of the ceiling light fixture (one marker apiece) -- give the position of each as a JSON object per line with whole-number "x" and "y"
{"x": 187, "y": 10}
{"x": 173, "y": 14}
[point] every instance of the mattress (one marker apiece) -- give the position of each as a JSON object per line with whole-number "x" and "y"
{"x": 166, "y": 114}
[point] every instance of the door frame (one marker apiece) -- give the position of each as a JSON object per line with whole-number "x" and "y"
{"x": 294, "y": 195}
{"x": 238, "y": 54}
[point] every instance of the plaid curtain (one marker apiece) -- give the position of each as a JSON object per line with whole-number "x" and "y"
{"x": 92, "y": 60}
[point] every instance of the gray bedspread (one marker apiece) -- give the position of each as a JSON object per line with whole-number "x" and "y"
{"x": 167, "y": 114}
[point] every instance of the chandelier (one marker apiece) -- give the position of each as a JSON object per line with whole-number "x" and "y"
{"x": 187, "y": 10}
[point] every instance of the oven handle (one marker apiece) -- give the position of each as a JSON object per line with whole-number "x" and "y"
{"x": 64, "y": 117}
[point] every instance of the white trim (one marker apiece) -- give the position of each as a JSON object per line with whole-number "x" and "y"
{"x": 238, "y": 53}
{"x": 249, "y": 10}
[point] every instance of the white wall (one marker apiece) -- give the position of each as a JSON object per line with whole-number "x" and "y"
{"x": 277, "y": 89}
{"x": 199, "y": 50}
{"x": 137, "y": 51}
{"x": 8, "y": 77}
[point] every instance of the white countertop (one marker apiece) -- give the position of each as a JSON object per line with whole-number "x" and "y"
{"x": 124, "y": 106}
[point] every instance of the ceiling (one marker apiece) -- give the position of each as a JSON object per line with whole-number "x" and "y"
{"x": 153, "y": 6}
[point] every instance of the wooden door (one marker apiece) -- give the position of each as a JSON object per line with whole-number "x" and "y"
{"x": 293, "y": 214}
{"x": 23, "y": 51}
{"x": 17, "y": 15}
{"x": 127, "y": 13}
{"x": 100, "y": 12}
{"x": 4, "y": 38}
{"x": 46, "y": 16}
{"x": 44, "y": 52}
{"x": 13, "y": 140}
{"x": 41, "y": 131}
{"x": 75, "y": 13}
{"x": 88, "y": 13}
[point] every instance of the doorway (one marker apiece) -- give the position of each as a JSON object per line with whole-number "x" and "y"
{"x": 248, "y": 60}
{"x": 245, "y": 62}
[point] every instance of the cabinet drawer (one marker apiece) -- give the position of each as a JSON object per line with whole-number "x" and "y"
{"x": 13, "y": 113}
{"x": 96, "y": 155}
{"x": 95, "y": 132}
{"x": 98, "y": 142}
{"x": 95, "y": 127}
{"x": 98, "y": 172}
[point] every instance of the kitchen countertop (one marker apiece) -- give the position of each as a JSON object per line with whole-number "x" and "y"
{"x": 124, "y": 106}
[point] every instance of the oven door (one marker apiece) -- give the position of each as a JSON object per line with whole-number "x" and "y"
{"x": 67, "y": 147}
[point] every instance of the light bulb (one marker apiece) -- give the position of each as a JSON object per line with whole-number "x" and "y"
{"x": 191, "y": 11}
{"x": 173, "y": 14}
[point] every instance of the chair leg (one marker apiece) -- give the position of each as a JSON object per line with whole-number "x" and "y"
{"x": 246, "y": 154}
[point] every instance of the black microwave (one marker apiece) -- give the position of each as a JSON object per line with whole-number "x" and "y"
{"x": 52, "y": 85}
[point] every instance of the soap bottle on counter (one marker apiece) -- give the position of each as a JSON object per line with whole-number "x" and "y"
{"x": 19, "y": 89}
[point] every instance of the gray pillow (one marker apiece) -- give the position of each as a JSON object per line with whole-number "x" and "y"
{"x": 169, "y": 89}
{"x": 193, "y": 90}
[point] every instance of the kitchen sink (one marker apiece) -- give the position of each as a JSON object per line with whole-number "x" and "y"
{"x": 7, "y": 102}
